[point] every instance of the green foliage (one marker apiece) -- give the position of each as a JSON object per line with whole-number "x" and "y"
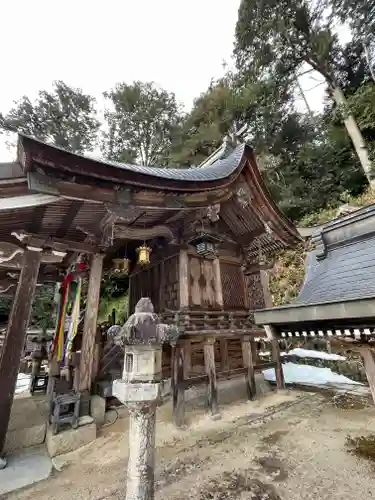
{"x": 278, "y": 36}
{"x": 362, "y": 105}
{"x": 224, "y": 108}
{"x": 288, "y": 275}
{"x": 5, "y": 306}
{"x": 66, "y": 116}
{"x": 114, "y": 295}
{"x": 352, "y": 67}
{"x": 359, "y": 14}
{"x": 317, "y": 175}
{"x": 119, "y": 304}
{"x": 141, "y": 125}
{"x": 43, "y": 310}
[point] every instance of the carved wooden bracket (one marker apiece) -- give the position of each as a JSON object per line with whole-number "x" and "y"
{"x": 55, "y": 249}
{"x": 213, "y": 212}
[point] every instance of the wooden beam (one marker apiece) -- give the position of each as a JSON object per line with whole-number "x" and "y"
{"x": 280, "y": 382}
{"x": 37, "y": 218}
{"x": 224, "y": 359}
{"x": 178, "y": 389}
{"x": 68, "y": 218}
{"x": 184, "y": 279}
{"x": 90, "y": 323}
{"x": 265, "y": 282}
{"x": 186, "y": 343}
{"x": 15, "y": 337}
{"x": 133, "y": 233}
{"x": 98, "y": 353}
{"x": 57, "y": 244}
{"x": 99, "y": 191}
{"x": 218, "y": 285}
{"x": 209, "y": 363}
{"x": 248, "y": 361}
{"x": 368, "y": 356}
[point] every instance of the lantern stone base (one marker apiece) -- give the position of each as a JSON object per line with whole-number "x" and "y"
{"x": 142, "y": 393}
{"x": 69, "y": 439}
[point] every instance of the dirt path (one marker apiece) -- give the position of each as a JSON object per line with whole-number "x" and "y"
{"x": 288, "y": 446}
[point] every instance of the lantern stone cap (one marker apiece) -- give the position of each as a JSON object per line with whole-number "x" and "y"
{"x": 144, "y": 327}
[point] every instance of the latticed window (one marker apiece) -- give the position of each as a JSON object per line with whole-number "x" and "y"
{"x": 233, "y": 286}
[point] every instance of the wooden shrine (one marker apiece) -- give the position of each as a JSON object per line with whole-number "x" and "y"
{"x": 337, "y": 298}
{"x": 194, "y": 240}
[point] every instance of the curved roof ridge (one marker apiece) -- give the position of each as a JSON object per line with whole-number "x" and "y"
{"x": 220, "y": 169}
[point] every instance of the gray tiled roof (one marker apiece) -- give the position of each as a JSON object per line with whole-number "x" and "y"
{"x": 218, "y": 170}
{"x": 339, "y": 277}
{"x": 347, "y": 273}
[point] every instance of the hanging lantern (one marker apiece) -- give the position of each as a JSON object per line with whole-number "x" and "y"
{"x": 144, "y": 255}
{"x": 205, "y": 244}
{"x": 121, "y": 266}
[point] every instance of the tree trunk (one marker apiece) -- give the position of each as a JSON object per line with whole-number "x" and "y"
{"x": 355, "y": 134}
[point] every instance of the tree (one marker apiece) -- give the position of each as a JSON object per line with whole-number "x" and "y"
{"x": 141, "y": 125}
{"x": 228, "y": 105}
{"x": 360, "y": 15}
{"x": 277, "y": 37}
{"x": 42, "y": 313}
{"x": 66, "y": 116}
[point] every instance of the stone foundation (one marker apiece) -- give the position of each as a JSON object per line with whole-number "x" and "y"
{"x": 70, "y": 439}
{"x": 27, "y": 426}
{"x": 97, "y": 409}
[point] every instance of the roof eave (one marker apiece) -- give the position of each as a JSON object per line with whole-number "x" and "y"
{"x": 307, "y": 314}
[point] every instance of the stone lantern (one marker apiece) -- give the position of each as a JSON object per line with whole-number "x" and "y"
{"x": 140, "y": 391}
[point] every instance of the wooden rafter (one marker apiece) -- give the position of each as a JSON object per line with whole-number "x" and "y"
{"x": 37, "y": 219}
{"x": 68, "y": 219}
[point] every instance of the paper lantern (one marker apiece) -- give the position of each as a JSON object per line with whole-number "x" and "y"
{"x": 205, "y": 244}
{"x": 144, "y": 255}
{"x": 121, "y": 265}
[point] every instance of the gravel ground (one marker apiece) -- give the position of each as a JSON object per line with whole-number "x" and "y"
{"x": 286, "y": 446}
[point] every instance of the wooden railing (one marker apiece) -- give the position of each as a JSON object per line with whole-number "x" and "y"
{"x": 213, "y": 322}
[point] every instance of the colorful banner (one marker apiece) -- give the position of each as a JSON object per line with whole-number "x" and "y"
{"x": 74, "y": 320}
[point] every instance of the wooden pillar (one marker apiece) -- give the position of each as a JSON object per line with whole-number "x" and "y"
{"x": 224, "y": 358}
{"x": 90, "y": 324}
{"x": 273, "y": 337}
{"x": 279, "y": 367}
{"x": 15, "y": 336}
{"x": 218, "y": 286}
{"x": 209, "y": 363}
{"x": 247, "y": 354}
{"x": 187, "y": 357}
{"x": 265, "y": 282}
{"x": 98, "y": 351}
{"x": 184, "y": 279}
{"x": 178, "y": 390}
{"x": 368, "y": 356}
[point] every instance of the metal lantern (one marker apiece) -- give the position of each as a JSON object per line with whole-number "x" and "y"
{"x": 205, "y": 244}
{"x": 121, "y": 265}
{"x": 144, "y": 255}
